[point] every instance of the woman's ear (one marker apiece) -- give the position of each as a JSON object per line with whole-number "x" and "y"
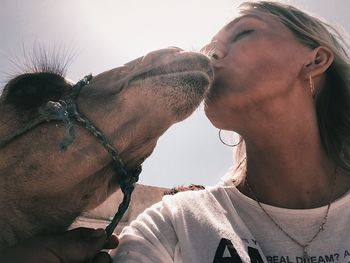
{"x": 320, "y": 60}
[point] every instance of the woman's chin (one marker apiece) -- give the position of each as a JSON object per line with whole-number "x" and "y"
{"x": 212, "y": 116}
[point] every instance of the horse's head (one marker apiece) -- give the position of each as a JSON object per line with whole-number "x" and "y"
{"x": 132, "y": 106}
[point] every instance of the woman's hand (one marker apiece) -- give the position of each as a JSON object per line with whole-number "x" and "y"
{"x": 77, "y": 245}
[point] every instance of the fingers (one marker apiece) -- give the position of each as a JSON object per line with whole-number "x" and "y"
{"x": 78, "y": 245}
{"x": 111, "y": 243}
{"x": 102, "y": 257}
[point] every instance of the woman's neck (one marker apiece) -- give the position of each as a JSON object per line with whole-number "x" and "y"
{"x": 298, "y": 179}
{"x": 287, "y": 166}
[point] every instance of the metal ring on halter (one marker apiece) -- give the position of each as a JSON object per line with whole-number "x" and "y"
{"x": 230, "y": 145}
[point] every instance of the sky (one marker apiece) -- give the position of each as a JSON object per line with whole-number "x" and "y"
{"x": 106, "y": 34}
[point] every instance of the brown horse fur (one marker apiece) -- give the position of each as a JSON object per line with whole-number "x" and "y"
{"x": 42, "y": 190}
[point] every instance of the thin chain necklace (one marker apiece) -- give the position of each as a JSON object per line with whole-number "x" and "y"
{"x": 305, "y": 246}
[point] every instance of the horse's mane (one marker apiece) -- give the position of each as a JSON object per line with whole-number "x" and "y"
{"x": 42, "y": 59}
{"x": 40, "y": 77}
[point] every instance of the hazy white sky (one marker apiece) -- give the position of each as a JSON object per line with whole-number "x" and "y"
{"x": 107, "y": 33}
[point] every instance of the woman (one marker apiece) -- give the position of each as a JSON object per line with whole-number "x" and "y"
{"x": 282, "y": 81}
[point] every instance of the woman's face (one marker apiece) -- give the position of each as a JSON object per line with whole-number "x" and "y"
{"x": 256, "y": 60}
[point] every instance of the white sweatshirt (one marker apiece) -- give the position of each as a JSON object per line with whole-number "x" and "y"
{"x": 219, "y": 224}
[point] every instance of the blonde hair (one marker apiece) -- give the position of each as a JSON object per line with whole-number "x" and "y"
{"x": 333, "y": 100}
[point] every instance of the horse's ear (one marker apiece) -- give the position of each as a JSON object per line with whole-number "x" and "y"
{"x": 28, "y": 91}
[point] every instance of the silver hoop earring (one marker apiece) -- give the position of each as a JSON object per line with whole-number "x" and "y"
{"x": 227, "y": 144}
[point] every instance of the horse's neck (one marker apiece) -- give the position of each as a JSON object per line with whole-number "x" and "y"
{"x": 16, "y": 224}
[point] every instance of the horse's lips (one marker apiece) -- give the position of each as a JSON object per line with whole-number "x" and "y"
{"x": 207, "y": 73}
{"x": 200, "y": 63}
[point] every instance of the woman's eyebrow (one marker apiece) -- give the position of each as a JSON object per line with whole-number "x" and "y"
{"x": 235, "y": 21}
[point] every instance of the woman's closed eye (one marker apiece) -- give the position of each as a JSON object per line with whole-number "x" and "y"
{"x": 241, "y": 34}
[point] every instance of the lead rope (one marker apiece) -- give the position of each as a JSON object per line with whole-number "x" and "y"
{"x": 66, "y": 110}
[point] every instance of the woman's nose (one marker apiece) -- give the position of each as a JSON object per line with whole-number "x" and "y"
{"x": 215, "y": 50}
